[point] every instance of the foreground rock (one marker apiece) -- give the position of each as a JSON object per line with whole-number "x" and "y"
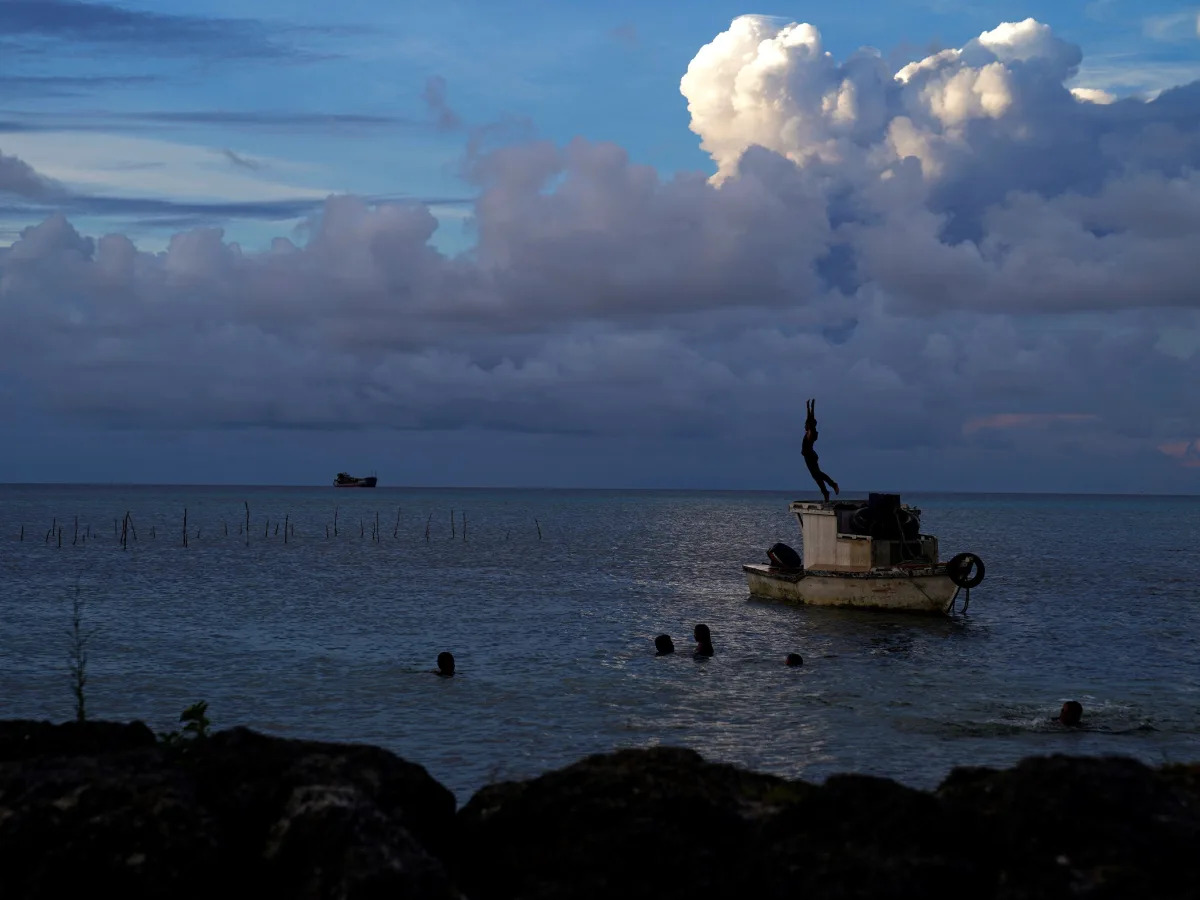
{"x": 664, "y": 823}
{"x": 101, "y": 807}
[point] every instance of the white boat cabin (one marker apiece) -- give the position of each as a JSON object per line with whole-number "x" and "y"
{"x": 861, "y": 535}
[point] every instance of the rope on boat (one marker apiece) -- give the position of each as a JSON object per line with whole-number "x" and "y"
{"x": 966, "y": 601}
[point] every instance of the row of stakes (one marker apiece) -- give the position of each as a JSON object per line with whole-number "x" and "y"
{"x": 128, "y": 531}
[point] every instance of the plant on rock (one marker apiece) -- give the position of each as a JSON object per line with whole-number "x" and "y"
{"x": 195, "y": 728}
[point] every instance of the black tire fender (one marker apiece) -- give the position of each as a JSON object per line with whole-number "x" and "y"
{"x": 966, "y": 570}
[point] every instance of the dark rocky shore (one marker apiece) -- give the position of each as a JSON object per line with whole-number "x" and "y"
{"x": 102, "y": 809}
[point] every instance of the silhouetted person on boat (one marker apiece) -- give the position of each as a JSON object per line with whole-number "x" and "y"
{"x": 1071, "y": 714}
{"x": 664, "y": 645}
{"x": 810, "y": 455}
{"x": 704, "y": 647}
{"x": 445, "y": 663}
{"x": 793, "y": 659}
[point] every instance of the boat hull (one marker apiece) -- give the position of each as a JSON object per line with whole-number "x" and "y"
{"x": 927, "y": 589}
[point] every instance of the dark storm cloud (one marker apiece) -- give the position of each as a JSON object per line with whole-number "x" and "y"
{"x": 878, "y": 242}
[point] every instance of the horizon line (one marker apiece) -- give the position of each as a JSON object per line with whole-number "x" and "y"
{"x": 621, "y": 489}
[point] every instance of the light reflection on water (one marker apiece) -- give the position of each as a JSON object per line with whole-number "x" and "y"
{"x": 1086, "y": 597}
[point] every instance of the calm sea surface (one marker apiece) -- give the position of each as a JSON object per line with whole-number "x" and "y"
{"x": 1091, "y": 598}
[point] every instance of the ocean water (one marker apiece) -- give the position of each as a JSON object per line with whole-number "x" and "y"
{"x": 334, "y": 637}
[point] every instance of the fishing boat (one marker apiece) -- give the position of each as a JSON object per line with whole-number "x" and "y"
{"x": 864, "y": 553}
{"x": 344, "y": 480}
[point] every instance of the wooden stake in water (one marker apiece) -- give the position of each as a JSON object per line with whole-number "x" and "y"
{"x": 396, "y": 530}
{"x": 464, "y": 518}
{"x": 377, "y": 526}
{"x": 335, "y": 512}
{"x": 78, "y": 657}
{"x": 75, "y": 536}
{"x": 451, "y": 523}
{"x": 285, "y": 526}
{"x": 539, "y": 528}
{"x": 185, "y": 526}
{"x": 427, "y": 521}
{"x": 247, "y": 502}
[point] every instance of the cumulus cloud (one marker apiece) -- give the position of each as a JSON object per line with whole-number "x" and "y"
{"x": 961, "y": 253}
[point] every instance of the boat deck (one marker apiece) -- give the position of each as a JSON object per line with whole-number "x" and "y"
{"x": 912, "y": 570}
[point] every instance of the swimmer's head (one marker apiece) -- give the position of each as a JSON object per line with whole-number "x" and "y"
{"x": 664, "y": 645}
{"x": 700, "y": 633}
{"x": 1072, "y": 713}
{"x": 793, "y": 659}
{"x": 445, "y": 663}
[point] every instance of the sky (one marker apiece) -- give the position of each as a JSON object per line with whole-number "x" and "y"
{"x": 602, "y": 244}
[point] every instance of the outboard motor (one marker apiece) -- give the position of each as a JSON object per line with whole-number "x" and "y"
{"x": 784, "y": 557}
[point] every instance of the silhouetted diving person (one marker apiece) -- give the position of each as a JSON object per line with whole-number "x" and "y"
{"x": 810, "y": 455}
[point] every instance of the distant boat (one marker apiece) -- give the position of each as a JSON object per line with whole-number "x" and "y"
{"x": 344, "y": 480}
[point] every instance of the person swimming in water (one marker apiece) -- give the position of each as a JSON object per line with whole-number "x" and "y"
{"x": 793, "y": 659}
{"x": 810, "y": 455}
{"x": 1071, "y": 714}
{"x": 445, "y": 664}
{"x": 704, "y": 647}
{"x": 664, "y": 645}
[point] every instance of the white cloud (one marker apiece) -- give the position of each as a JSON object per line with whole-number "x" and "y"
{"x": 1127, "y": 76}
{"x": 1180, "y": 26}
{"x": 147, "y": 167}
{"x": 1093, "y": 95}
